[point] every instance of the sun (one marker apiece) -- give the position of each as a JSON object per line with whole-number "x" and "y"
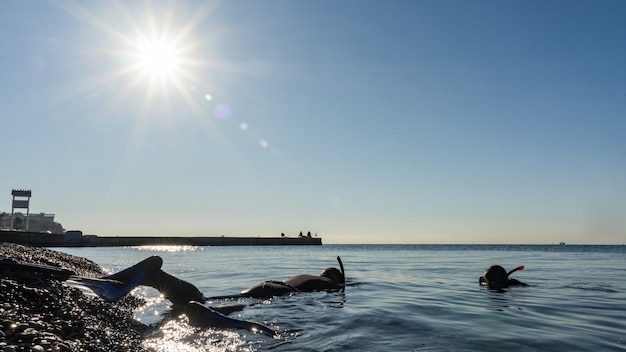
{"x": 152, "y": 51}
{"x": 157, "y": 58}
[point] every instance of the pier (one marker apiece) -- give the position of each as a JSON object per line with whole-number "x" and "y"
{"x": 77, "y": 239}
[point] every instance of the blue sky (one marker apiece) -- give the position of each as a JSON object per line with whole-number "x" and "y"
{"x": 361, "y": 121}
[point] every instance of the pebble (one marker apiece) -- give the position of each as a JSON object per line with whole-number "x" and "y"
{"x": 61, "y": 347}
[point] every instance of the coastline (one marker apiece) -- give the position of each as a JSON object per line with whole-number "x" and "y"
{"x": 40, "y": 313}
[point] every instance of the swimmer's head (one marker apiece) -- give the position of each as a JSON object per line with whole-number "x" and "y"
{"x": 497, "y": 277}
{"x": 334, "y": 274}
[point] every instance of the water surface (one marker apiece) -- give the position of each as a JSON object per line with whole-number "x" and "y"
{"x": 399, "y": 297}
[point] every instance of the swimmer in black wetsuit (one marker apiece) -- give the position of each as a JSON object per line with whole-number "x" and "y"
{"x": 330, "y": 279}
{"x": 497, "y": 278}
{"x": 185, "y": 295}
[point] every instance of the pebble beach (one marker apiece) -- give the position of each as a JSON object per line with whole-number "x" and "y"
{"x": 39, "y": 312}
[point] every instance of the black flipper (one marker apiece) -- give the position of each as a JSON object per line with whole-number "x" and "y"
{"x": 107, "y": 287}
{"x": 113, "y": 287}
{"x": 202, "y": 316}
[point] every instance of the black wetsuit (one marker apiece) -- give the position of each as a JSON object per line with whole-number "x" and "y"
{"x": 330, "y": 279}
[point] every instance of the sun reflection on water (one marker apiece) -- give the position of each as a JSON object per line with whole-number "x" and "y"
{"x": 163, "y": 248}
{"x": 177, "y": 335}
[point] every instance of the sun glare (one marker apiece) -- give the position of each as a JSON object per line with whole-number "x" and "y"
{"x": 157, "y": 58}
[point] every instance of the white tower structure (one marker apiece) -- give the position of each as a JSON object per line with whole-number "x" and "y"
{"x": 20, "y": 203}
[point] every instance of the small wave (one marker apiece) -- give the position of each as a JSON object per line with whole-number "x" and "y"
{"x": 590, "y": 287}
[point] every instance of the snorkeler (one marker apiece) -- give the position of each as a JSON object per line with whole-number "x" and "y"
{"x": 185, "y": 295}
{"x": 180, "y": 292}
{"x": 496, "y": 278}
{"x": 329, "y": 280}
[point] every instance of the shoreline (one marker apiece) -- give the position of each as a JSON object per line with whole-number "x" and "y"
{"x": 41, "y": 313}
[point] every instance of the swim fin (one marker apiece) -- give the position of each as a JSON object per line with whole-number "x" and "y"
{"x": 108, "y": 290}
{"x": 202, "y": 316}
{"x": 104, "y": 287}
{"x": 113, "y": 287}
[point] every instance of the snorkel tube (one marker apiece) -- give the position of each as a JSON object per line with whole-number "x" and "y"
{"x": 343, "y": 273}
{"x": 520, "y": 268}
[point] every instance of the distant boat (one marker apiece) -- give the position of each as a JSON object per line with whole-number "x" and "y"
{"x": 561, "y": 243}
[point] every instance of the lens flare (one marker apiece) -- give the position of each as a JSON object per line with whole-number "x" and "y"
{"x": 222, "y": 111}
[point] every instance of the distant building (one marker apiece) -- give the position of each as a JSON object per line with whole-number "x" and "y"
{"x": 36, "y": 222}
{"x": 30, "y": 222}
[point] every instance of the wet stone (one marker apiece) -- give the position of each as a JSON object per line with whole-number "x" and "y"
{"x": 27, "y": 335}
{"x": 61, "y": 347}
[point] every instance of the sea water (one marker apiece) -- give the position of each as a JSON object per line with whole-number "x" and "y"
{"x": 398, "y": 297}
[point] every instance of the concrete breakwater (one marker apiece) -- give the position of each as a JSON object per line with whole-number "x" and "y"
{"x": 77, "y": 239}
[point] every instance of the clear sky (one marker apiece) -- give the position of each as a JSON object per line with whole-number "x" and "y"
{"x": 362, "y": 121}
